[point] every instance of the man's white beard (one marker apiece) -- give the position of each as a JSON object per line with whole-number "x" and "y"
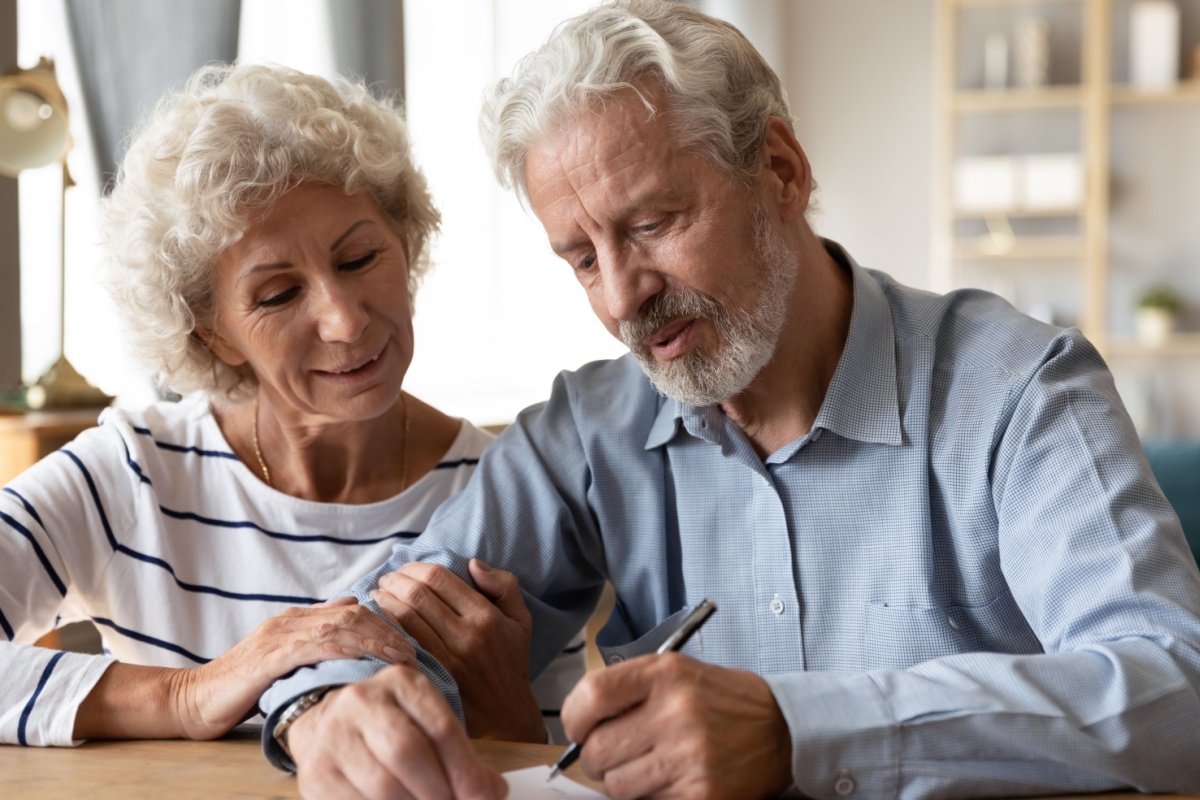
{"x": 747, "y": 338}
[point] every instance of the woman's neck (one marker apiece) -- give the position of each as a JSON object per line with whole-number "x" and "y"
{"x": 354, "y": 462}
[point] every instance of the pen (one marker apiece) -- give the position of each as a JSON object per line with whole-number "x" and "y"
{"x": 674, "y": 643}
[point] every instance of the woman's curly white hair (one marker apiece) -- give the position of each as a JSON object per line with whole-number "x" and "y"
{"x": 231, "y": 142}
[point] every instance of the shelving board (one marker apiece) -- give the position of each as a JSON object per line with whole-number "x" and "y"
{"x": 1041, "y": 248}
{"x": 985, "y": 100}
{"x": 1185, "y": 344}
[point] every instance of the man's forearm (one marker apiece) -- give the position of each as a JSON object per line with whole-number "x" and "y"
{"x": 1096, "y": 719}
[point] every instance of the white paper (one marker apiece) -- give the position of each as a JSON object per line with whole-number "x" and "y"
{"x": 531, "y": 784}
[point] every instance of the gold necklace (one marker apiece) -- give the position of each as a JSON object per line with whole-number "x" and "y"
{"x": 266, "y": 472}
{"x": 403, "y": 448}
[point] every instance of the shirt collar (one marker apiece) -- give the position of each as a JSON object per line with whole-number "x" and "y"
{"x": 862, "y": 401}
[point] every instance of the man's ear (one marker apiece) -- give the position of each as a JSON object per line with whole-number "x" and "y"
{"x": 217, "y": 343}
{"x": 786, "y": 171}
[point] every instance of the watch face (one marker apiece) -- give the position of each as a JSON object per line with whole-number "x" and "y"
{"x": 292, "y": 713}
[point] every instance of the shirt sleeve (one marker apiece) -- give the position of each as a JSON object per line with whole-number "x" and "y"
{"x": 1097, "y": 562}
{"x": 54, "y": 545}
{"x": 526, "y": 505}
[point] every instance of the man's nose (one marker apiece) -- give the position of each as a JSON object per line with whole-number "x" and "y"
{"x": 629, "y": 281}
{"x": 341, "y": 314}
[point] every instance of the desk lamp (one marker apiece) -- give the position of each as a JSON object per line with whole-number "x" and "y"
{"x": 34, "y": 132}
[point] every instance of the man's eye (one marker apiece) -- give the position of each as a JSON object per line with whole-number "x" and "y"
{"x": 358, "y": 263}
{"x": 649, "y": 227}
{"x": 279, "y": 299}
{"x": 585, "y": 263}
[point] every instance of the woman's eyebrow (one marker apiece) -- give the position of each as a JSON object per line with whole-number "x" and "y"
{"x": 349, "y": 231}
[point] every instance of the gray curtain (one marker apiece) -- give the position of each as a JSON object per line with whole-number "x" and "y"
{"x": 130, "y": 51}
{"x": 10, "y": 231}
{"x": 368, "y": 42}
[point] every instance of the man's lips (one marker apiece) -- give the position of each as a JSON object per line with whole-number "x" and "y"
{"x": 667, "y": 332}
{"x": 672, "y": 340}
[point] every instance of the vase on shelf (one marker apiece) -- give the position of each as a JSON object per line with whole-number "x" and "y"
{"x": 1033, "y": 53}
{"x": 1153, "y": 44}
{"x": 1154, "y": 326}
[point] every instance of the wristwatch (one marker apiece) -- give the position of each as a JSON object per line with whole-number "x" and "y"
{"x": 292, "y": 713}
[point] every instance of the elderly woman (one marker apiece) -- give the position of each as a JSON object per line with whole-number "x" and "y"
{"x": 266, "y": 234}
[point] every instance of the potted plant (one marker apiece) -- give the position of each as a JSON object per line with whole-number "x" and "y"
{"x": 1154, "y": 316}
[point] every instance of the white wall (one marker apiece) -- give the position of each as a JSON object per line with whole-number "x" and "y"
{"x": 860, "y": 78}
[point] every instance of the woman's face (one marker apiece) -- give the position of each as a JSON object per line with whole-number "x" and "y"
{"x": 314, "y": 298}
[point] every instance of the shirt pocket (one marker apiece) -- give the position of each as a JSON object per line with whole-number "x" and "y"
{"x": 897, "y": 637}
{"x": 614, "y": 651}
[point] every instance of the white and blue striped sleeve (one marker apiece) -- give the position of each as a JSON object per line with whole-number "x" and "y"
{"x": 53, "y": 547}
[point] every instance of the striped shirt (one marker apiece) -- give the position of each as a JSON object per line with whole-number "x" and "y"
{"x": 153, "y": 529}
{"x": 963, "y": 581}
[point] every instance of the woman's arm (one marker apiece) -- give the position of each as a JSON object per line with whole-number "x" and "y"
{"x": 137, "y": 702}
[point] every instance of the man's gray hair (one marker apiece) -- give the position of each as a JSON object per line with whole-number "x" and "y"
{"x": 719, "y": 89}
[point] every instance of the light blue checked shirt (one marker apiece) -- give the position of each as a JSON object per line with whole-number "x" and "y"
{"x": 963, "y": 581}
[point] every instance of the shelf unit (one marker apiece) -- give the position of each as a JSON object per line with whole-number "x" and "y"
{"x": 1093, "y": 98}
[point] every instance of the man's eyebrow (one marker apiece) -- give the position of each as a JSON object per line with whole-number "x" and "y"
{"x": 562, "y": 248}
{"x": 667, "y": 194}
{"x": 285, "y": 264}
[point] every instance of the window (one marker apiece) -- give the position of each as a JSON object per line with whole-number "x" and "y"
{"x": 498, "y": 316}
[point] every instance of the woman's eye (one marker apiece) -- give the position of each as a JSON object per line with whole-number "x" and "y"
{"x": 358, "y": 263}
{"x": 279, "y": 299}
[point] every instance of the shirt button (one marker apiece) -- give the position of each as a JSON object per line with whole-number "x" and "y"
{"x": 844, "y": 785}
{"x": 615, "y": 659}
{"x": 953, "y": 622}
{"x": 777, "y": 606}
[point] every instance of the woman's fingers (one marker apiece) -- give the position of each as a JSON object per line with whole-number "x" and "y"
{"x": 218, "y": 695}
{"x": 336, "y": 601}
{"x": 504, "y": 591}
{"x": 414, "y": 624}
{"x": 346, "y": 630}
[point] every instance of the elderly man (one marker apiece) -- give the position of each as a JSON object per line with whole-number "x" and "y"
{"x": 941, "y": 564}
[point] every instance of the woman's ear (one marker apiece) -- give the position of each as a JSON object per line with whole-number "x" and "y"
{"x": 217, "y": 343}
{"x": 785, "y": 167}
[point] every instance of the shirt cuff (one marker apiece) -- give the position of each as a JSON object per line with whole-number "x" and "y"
{"x": 844, "y": 742}
{"x": 303, "y": 680}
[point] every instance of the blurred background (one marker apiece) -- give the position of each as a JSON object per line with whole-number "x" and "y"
{"x": 1046, "y": 151}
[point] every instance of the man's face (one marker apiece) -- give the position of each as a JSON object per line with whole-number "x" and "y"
{"x": 680, "y": 262}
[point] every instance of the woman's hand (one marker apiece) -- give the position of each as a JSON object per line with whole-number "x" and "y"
{"x": 211, "y": 699}
{"x": 482, "y": 639}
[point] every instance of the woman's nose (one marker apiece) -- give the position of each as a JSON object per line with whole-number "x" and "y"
{"x": 341, "y": 315}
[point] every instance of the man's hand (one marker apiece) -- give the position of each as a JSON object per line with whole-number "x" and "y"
{"x": 392, "y": 736}
{"x": 670, "y": 726}
{"x": 482, "y": 639}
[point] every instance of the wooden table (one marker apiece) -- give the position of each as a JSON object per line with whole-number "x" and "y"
{"x": 231, "y": 767}
{"x": 26, "y": 437}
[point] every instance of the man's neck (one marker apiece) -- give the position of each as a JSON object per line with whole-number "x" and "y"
{"x": 783, "y": 401}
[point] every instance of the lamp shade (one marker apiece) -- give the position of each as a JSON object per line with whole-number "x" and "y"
{"x": 33, "y": 119}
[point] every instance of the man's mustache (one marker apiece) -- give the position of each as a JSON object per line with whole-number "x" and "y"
{"x": 663, "y": 309}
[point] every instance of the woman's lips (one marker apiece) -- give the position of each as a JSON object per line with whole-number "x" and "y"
{"x": 355, "y": 370}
